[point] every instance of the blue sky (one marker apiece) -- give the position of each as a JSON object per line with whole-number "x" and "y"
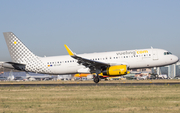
{"x": 44, "y": 26}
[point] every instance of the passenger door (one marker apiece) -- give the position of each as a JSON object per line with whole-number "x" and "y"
{"x": 155, "y": 55}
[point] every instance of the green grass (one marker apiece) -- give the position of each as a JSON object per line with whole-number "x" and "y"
{"x": 103, "y": 99}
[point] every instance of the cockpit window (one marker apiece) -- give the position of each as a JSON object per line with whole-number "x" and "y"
{"x": 167, "y": 53}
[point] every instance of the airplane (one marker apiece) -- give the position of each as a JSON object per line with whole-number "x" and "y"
{"x": 115, "y": 63}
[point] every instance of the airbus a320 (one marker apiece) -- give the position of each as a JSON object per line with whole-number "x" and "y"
{"x": 115, "y": 63}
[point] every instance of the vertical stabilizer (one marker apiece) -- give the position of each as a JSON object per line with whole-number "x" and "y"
{"x": 22, "y": 55}
{"x": 18, "y": 51}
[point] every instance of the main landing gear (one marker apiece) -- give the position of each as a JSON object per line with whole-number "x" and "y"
{"x": 96, "y": 78}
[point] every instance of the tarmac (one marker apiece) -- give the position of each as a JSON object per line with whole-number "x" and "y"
{"x": 87, "y": 83}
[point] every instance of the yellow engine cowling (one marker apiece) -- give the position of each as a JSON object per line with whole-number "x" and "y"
{"x": 116, "y": 70}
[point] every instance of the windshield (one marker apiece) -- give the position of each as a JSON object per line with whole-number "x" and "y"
{"x": 167, "y": 53}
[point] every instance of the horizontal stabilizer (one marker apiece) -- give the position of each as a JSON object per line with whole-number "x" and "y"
{"x": 13, "y": 65}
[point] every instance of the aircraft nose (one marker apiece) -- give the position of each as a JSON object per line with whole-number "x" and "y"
{"x": 175, "y": 59}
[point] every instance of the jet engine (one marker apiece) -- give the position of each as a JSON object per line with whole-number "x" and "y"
{"x": 116, "y": 70}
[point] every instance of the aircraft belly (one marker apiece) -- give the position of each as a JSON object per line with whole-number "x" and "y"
{"x": 139, "y": 64}
{"x": 65, "y": 69}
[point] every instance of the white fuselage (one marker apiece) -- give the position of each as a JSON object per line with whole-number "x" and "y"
{"x": 143, "y": 58}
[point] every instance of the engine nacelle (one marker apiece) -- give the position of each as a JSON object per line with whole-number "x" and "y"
{"x": 116, "y": 70}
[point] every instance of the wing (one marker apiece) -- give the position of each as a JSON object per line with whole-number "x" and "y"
{"x": 91, "y": 64}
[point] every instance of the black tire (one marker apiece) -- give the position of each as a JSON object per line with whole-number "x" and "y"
{"x": 96, "y": 79}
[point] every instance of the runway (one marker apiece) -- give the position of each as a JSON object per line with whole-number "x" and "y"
{"x": 84, "y": 84}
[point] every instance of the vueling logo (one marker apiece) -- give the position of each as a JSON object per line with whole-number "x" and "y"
{"x": 141, "y": 52}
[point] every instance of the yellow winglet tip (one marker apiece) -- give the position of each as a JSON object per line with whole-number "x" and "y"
{"x": 68, "y": 50}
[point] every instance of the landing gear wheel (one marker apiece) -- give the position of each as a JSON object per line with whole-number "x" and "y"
{"x": 96, "y": 79}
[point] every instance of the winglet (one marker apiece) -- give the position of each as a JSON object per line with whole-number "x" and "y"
{"x": 68, "y": 50}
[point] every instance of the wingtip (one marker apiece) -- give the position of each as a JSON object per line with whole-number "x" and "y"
{"x": 68, "y": 50}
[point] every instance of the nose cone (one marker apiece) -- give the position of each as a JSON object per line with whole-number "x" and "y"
{"x": 175, "y": 59}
